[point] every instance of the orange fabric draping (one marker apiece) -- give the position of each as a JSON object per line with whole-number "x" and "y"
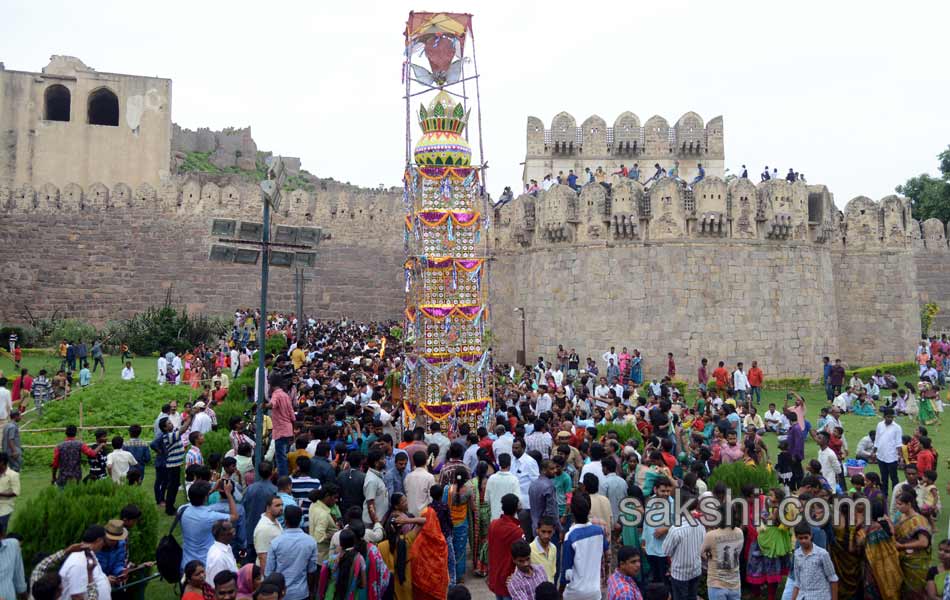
{"x": 428, "y": 557}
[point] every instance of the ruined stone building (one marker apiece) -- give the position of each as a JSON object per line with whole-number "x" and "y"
{"x": 98, "y": 221}
{"x": 100, "y": 216}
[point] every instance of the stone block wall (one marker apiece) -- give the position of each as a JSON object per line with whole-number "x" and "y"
{"x": 723, "y": 301}
{"x": 770, "y": 272}
{"x": 932, "y": 260}
{"x": 102, "y": 254}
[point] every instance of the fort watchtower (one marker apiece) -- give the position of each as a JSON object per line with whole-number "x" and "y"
{"x": 566, "y": 146}
{"x": 72, "y": 124}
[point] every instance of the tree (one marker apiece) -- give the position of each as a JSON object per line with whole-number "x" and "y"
{"x": 930, "y": 196}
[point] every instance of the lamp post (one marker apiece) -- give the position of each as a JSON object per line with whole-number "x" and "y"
{"x": 258, "y": 235}
{"x": 523, "y": 354}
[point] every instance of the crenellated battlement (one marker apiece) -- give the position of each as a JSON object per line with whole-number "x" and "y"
{"x": 565, "y": 145}
{"x": 332, "y": 205}
{"x": 772, "y": 211}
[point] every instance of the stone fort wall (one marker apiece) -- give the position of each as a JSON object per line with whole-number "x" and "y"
{"x": 103, "y": 253}
{"x": 729, "y": 271}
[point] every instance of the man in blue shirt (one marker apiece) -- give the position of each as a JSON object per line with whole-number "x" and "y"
{"x": 197, "y": 520}
{"x": 114, "y": 553}
{"x": 294, "y": 555}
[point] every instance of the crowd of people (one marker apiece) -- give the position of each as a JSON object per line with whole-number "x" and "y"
{"x": 543, "y": 497}
{"x": 578, "y": 180}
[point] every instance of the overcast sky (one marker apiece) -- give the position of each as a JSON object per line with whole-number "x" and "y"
{"x": 853, "y": 94}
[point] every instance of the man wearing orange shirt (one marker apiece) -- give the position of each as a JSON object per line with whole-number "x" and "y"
{"x": 755, "y": 382}
{"x": 721, "y": 375}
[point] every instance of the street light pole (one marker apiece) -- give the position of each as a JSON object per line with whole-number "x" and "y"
{"x": 262, "y": 338}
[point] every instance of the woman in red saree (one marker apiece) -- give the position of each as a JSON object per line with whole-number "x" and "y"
{"x": 429, "y": 557}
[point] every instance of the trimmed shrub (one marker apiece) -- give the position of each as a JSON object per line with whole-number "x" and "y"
{"x": 737, "y": 474}
{"x": 788, "y": 383}
{"x": 217, "y": 441}
{"x": 275, "y": 344}
{"x": 57, "y": 518}
{"x": 624, "y": 431}
{"x": 681, "y": 386}
{"x": 899, "y": 370}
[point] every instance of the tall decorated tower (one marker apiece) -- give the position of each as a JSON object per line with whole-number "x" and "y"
{"x": 447, "y": 362}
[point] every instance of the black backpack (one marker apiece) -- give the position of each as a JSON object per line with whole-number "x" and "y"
{"x": 168, "y": 554}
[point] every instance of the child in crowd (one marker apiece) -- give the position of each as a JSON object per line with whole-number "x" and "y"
{"x": 929, "y": 496}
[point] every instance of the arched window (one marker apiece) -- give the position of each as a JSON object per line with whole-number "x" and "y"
{"x": 56, "y": 103}
{"x": 103, "y": 107}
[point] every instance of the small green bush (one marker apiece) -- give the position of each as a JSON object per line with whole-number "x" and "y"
{"x": 787, "y": 383}
{"x": 73, "y": 330}
{"x": 624, "y": 431}
{"x": 275, "y": 344}
{"x": 680, "y": 386}
{"x": 57, "y": 518}
{"x": 217, "y": 441}
{"x": 735, "y": 475}
{"x": 237, "y": 391}
{"x": 164, "y": 328}
{"x": 904, "y": 369}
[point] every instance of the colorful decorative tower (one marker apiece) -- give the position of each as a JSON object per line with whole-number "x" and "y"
{"x": 447, "y": 367}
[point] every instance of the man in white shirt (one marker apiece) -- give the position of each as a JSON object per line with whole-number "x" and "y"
{"x": 202, "y": 421}
{"x": 602, "y": 389}
{"x": 830, "y": 465}
{"x": 844, "y": 400}
{"x": 500, "y": 484}
{"x": 773, "y": 420}
{"x": 595, "y": 466}
{"x": 833, "y": 420}
{"x": 128, "y": 373}
{"x": 235, "y": 361}
{"x": 176, "y": 365}
{"x": 502, "y": 443}
{"x": 417, "y": 484}
{"x": 267, "y": 529}
{"x": 558, "y": 375}
{"x": 887, "y": 443}
{"x": 74, "y": 572}
{"x": 220, "y": 557}
{"x": 740, "y": 383}
{"x": 6, "y": 401}
{"x": 545, "y": 402}
{"x": 162, "y": 369}
{"x": 865, "y": 450}
{"x": 118, "y": 461}
{"x": 525, "y": 469}
{"x": 611, "y": 354}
